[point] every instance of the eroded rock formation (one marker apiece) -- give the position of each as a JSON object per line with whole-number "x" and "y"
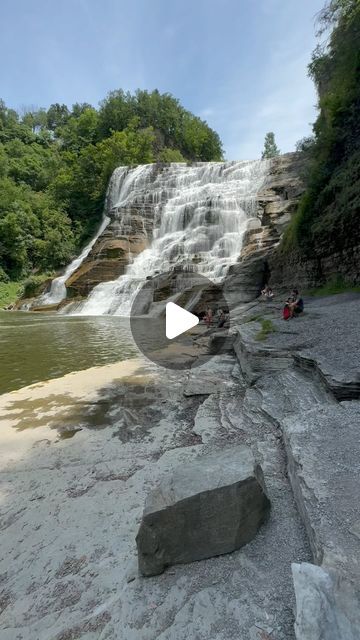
{"x": 116, "y": 247}
{"x": 277, "y": 202}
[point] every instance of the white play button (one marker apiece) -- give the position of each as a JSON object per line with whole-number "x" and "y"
{"x": 178, "y": 320}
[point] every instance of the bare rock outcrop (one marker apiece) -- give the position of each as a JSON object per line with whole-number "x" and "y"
{"x": 116, "y": 247}
{"x": 277, "y": 202}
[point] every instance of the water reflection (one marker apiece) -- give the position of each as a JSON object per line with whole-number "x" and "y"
{"x": 36, "y": 347}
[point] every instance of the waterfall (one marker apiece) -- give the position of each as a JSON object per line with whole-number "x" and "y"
{"x": 57, "y": 291}
{"x": 200, "y": 214}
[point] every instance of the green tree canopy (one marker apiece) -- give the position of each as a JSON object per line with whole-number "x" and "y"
{"x": 55, "y": 165}
{"x": 329, "y": 211}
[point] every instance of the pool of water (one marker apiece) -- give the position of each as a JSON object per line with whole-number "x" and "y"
{"x": 40, "y": 346}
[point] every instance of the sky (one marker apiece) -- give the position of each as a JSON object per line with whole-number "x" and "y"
{"x": 239, "y": 64}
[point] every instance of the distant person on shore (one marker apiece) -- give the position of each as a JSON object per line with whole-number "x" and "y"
{"x": 267, "y": 293}
{"x": 208, "y": 317}
{"x": 293, "y": 306}
{"x": 297, "y": 306}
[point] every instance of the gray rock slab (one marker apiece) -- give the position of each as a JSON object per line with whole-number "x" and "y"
{"x": 323, "y": 451}
{"x": 209, "y": 507}
{"x": 245, "y": 279}
{"x": 221, "y": 342}
{"x": 257, "y": 358}
{"x": 201, "y": 385}
{"x": 327, "y": 605}
{"x": 324, "y": 338}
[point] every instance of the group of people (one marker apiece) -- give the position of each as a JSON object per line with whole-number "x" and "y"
{"x": 221, "y": 317}
{"x": 294, "y": 304}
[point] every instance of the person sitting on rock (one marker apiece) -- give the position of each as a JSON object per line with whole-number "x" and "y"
{"x": 296, "y": 306}
{"x": 287, "y": 311}
{"x": 267, "y": 292}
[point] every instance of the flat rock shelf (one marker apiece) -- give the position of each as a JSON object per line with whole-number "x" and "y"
{"x": 71, "y": 506}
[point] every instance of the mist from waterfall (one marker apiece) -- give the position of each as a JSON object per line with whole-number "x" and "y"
{"x": 201, "y": 212}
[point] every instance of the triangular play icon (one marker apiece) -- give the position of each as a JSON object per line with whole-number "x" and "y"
{"x": 178, "y": 320}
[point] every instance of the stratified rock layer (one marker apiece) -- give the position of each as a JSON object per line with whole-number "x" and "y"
{"x": 277, "y": 202}
{"x": 111, "y": 254}
{"x": 207, "y": 508}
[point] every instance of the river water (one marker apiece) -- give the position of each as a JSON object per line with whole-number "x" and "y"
{"x": 36, "y": 347}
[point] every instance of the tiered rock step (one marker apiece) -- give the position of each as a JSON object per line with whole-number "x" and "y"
{"x": 300, "y": 372}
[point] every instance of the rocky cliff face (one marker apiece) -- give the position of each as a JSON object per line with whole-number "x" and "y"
{"x": 328, "y": 263}
{"x": 277, "y": 202}
{"x": 261, "y": 261}
{"x": 115, "y": 248}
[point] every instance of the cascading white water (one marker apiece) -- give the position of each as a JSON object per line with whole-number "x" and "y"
{"x": 201, "y": 212}
{"x": 57, "y": 291}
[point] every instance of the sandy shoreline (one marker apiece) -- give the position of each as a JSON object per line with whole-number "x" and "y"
{"x": 35, "y": 409}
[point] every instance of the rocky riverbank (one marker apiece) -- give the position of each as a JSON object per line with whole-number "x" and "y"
{"x": 80, "y": 454}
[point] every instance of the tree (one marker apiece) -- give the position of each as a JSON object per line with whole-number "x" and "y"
{"x": 33, "y": 117}
{"x": 328, "y": 213}
{"x": 55, "y": 166}
{"x": 304, "y": 144}
{"x": 270, "y": 148}
{"x": 171, "y": 155}
{"x": 80, "y": 130}
{"x": 57, "y": 115}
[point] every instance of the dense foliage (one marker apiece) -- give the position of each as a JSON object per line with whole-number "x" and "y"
{"x": 55, "y": 166}
{"x": 328, "y": 216}
{"x": 271, "y": 149}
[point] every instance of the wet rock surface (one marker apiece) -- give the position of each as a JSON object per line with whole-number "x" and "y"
{"x": 110, "y": 255}
{"x": 212, "y": 506}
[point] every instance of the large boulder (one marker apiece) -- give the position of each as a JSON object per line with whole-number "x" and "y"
{"x": 211, "y": 506}
{"x": 245, "y": 279}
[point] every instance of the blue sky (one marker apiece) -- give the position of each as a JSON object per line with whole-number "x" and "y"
{"x": 239, "y": 64}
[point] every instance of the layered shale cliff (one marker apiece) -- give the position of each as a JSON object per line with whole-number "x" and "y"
{"x": 277, "y": 202}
